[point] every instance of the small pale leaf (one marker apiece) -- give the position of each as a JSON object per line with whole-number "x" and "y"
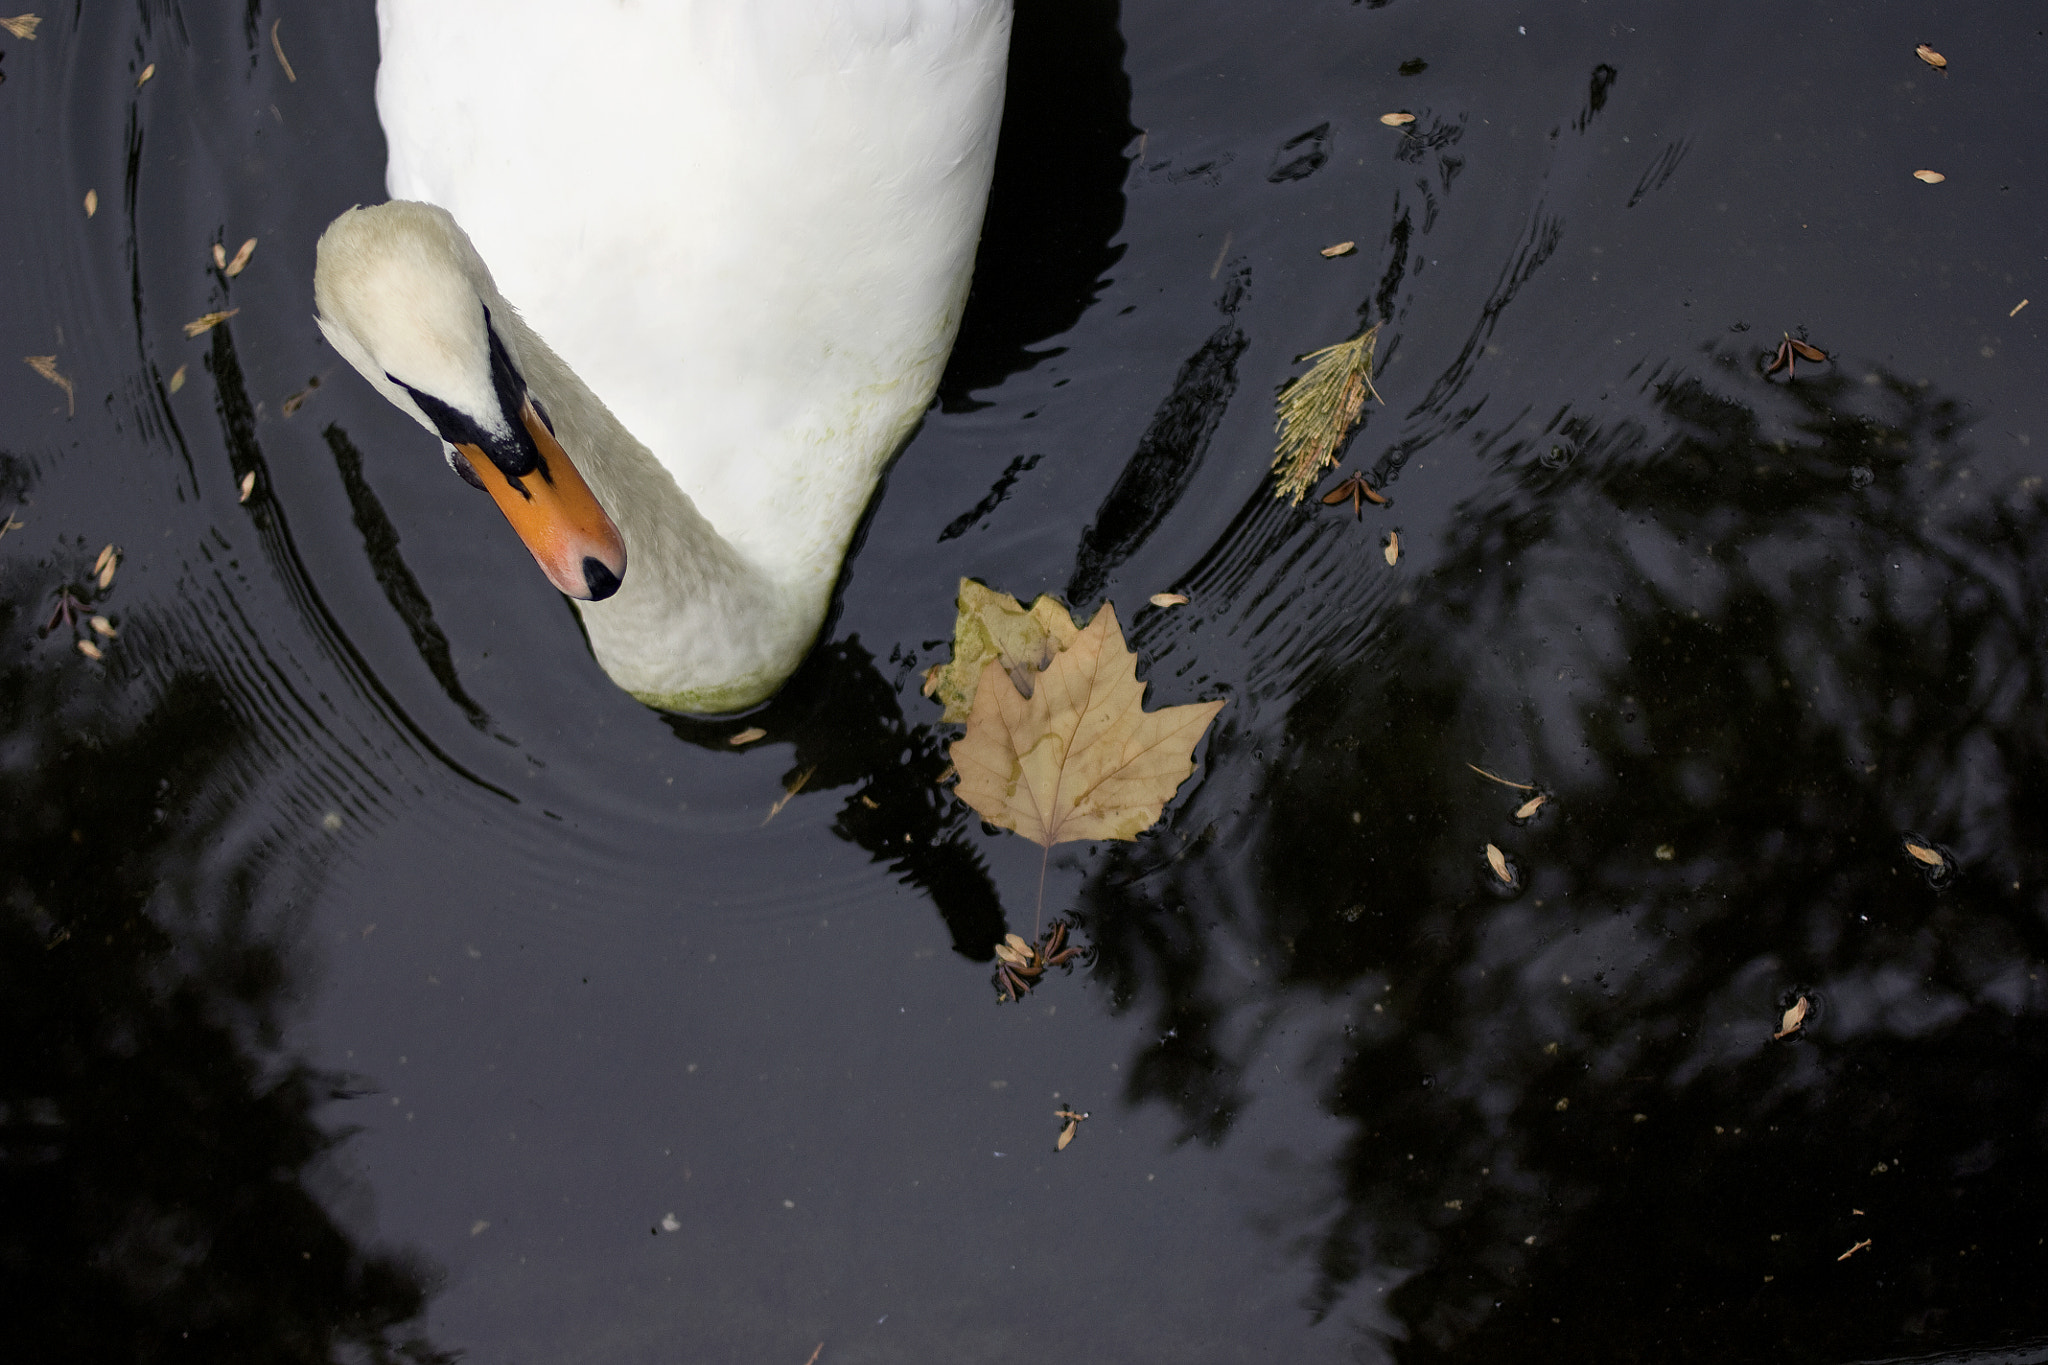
{"x": 206, "y": 322}
{"x": 1931, "y": 57}
{"x": 147, "y": 72}
{"x": 747, "y": 736}
{"x": 178, "y": 379}
{"x": 1498, "y": 861}
{"x": 1393, "y": 550}
{"x": 1080, "y": 758}
{"x": 1169, "y": 599}
{"x": 1019, "y": 944}
{"x": 220, "y": 257}
{"x": 248, "y": 486}
{"x": 1397, "y": 120}
{"x": 92, "y": 202}
{"x": 1340, "y": 249}
{"x": 105, "y": 555}
{"x": 1806, "y": 351}
{"x": 1929, "y": 177}
{"x": 1924, "y": 854}
{"x": 88, "y": 649}
{"x": 242, "y": 255}
{"x": 1066, "y": 1136}
{"x": 1794, "y": 1018}
{"x": 106, "y": 576}
{"x": 101, "y": 625}
{"x": 22, "y": 26}
{"x": 1530, "y": 807}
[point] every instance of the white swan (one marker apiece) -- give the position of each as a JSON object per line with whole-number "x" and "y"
{"x": 749, "y": 224}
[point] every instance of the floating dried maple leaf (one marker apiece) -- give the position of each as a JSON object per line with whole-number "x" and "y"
{"x": 994, "y": 625}
{"x": 1079, "y": 758}
{"x": 1317, "y": 411}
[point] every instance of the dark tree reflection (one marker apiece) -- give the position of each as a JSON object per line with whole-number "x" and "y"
{"x": 1743, "y": 668}
{"x": 159, "y": 1154}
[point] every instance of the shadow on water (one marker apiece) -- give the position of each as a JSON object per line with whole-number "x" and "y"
{"x": 1744, "y": 671}
{"x": 1057, "y": 203}
{"x": 168, "y": 1191}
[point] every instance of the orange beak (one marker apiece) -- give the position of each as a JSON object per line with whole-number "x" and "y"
{"x": 555, "y": 513}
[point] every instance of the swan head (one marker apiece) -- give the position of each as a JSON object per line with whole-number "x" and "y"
{"x": 405, "y": 299}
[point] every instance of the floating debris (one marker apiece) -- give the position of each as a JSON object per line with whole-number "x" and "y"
{"x": 1169, "y": 599}
{"x": 747, "y": 736}
{"x": 1341, "y": 249}
{"x": 1924, "y": 854}
{"x": 248, "y": 486}
{"x": 206, "y": 322}
{"x": 278, "y": 48}
{"x": 1789, "y": 352}
{"x": 1397, "y": 120}
{"x": 1393, "y": 550}
{"x": 1531, "y": 806}
{"x": 1317, "y": 411}
{"x": 220, "y": 257}
{"x": 1495, "y": 777}
{"x": 89, "y": 649}
{"x": 147, "y": 72}
{"x": 102, "y": 626}
{"x": 1356, "y": 491}
{"x": 1074, "y": 1118}
{"x": 1929, "y": 177}
{"x": 1794, "y": 1018}
{"x": 789, "y": 791}
{"x": 1020, "y": 963}
{"x": 22, "y": 26}
{"x": 1498, "y": 861}
{"x": 178, "y": 378}
{"x": 103, "y": 567}
{"x": 1931, "y": 57}
{"x": 1853, "y": 1250}
{"x": 2016, "y": 309}
{"x": 241, "y": 260}
{"x": 92, "y": 202}
{"x": 46, "y": 366}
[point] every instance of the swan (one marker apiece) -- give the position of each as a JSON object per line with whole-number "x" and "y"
{"x": 745, "y": 229}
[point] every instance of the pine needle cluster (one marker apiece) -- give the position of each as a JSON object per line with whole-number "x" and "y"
{"x": 1317, "y": 411}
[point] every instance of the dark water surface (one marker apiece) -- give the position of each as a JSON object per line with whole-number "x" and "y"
{"x": 377, "y": 980}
